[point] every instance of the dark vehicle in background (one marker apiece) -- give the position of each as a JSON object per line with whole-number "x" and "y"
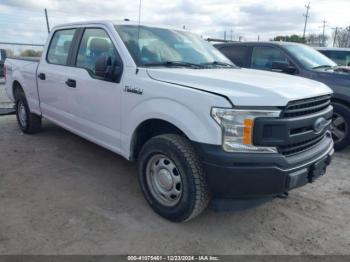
{"x": 2, "y": 61}
{"x": 299, "y": 60}
{"x": 341, "y": 56}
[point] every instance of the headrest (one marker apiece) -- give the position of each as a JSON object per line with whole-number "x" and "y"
{"x": 98, "y": 45}
{"x": 66, "y": 45}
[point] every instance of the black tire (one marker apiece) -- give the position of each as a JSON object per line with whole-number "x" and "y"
{"x": 341, "y": 112}
{"x": 194, "y": 195}
{"x": 32, "y": 122}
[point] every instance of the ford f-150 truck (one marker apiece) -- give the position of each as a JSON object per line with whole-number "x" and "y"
{"x": 198, "y": 126}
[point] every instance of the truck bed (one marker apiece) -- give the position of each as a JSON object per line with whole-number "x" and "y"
{"x": 24, "y": 69}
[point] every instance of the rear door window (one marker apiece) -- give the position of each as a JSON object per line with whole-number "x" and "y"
{"x": 239, "y": 55}
{"x": 264, "y": 56}
{"x": 59, "y": 47}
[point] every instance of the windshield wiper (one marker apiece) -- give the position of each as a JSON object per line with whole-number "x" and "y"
{"x": 174, "y": 63}
{"x": 322, "y": 66}
{"x": 217, "y": 63}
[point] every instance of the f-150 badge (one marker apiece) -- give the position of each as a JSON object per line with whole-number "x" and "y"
{"x": 134, "y": 90}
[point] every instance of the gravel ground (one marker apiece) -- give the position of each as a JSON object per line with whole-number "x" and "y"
{"x": 60, "y": 194}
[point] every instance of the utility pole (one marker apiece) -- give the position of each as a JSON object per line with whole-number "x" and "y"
{"x": 47, "y": 21}
{"x": 225, "y": 35}
{"x": 335, "y": 34}
{"x": 306, "y": 17}
{"x": 231, "y": 35}
{"x": 323, "y": 36}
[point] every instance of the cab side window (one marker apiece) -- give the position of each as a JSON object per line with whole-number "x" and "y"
{"x": 94, "y": 44}
{"x": 237, "y": 54}
{"x": 60, "y": 46}
{"x": 263, "y": 57}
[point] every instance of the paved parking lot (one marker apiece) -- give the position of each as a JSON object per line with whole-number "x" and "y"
{"x": 60, "y": 194}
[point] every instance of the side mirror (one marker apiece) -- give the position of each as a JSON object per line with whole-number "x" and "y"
{"x": 106, "y": 70}
{"x": 283, "y": 67}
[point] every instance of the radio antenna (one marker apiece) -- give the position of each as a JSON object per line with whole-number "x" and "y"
{"x": 138, "y": 33}
{"x": 140, "y": 11}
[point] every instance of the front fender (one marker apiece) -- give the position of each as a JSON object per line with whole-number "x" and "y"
{"x": 196, "y": 124}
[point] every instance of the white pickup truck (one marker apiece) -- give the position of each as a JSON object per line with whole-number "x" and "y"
{"x": 198, "y": 126}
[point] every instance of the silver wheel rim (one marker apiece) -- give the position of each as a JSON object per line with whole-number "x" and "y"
{"x": 22, "y": 114}
{"x": 164, "y": 180}
{"x": 339, "y": 128}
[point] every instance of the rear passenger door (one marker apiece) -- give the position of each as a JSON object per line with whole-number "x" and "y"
{"x": 53, "y": 71}
{"x": 96, "y": 101}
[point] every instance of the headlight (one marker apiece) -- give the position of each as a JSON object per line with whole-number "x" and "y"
{"x": 237, "y": 127}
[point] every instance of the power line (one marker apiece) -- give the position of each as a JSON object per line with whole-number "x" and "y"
{"x": 20, "y": 44}
{"x": 306, "y": 17}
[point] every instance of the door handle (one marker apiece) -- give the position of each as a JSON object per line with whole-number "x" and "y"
{"x": 42, "y": 76}
{"x": 71, "y": 83}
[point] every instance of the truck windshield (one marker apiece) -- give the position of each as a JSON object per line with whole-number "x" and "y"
{"x": 342, "y": 58}
{"x": 309, "y": 57}
{"x": 150, "y": 46}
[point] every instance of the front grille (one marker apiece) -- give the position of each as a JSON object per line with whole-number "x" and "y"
{"x": 306, "y": 106}
{"x": 292, "y": 149}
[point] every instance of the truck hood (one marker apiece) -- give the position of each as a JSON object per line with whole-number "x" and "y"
{"x": 244, "y": 87}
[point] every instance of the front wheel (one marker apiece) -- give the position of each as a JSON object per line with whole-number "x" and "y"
{"x": 172, "y": 179}
{"x": 340, "y": 126}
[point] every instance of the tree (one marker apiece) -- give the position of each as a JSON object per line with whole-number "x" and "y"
{"x": 341, "y": 38}
{"x": 30, "y": 53}
{"x": 9, "y": 52}
{"x": 290, "y": 38}
{"x": 317, "y": 40}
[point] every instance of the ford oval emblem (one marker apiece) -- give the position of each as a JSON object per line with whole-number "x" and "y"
{"x": 320, "y": 124}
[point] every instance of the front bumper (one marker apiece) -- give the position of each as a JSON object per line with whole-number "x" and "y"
{"x": 243, "y": 175}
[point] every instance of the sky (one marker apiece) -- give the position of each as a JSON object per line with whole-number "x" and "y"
{"x": 24, "y": 20}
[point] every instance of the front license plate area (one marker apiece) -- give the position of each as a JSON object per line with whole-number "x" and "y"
{"x": 317, "y": 170}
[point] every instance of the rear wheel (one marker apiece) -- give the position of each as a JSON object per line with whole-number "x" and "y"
{"x": 340, "y": 126}
{"x": 28, "y": 122}
{"x": 172, "y": 179}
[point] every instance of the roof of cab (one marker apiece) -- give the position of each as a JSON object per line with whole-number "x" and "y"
{"x": 112, "y": 23}
{"x": 256, "y": 42}
{"x": 333, "y": 49}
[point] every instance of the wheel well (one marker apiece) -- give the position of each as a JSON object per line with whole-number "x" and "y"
{"x": 148, "y": 129}
{"x": 16, "y": 88}
{"x": 341, "y": 101}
